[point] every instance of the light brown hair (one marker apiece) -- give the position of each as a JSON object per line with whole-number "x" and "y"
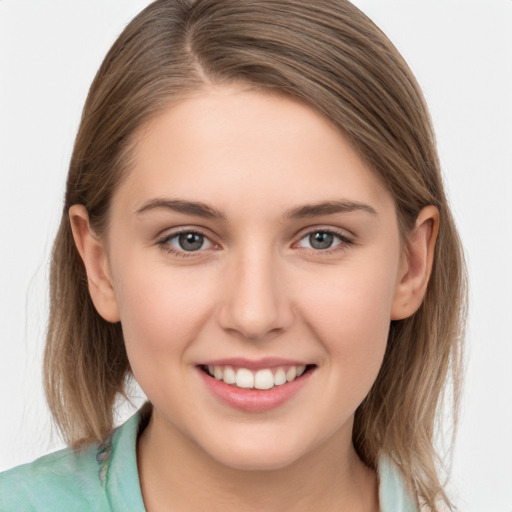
{"x": 333, "y": 57}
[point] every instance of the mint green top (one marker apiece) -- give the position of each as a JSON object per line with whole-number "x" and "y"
{"x": 104, "y": 478}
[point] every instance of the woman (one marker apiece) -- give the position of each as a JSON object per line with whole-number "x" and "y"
{"x": 255, "y": 228}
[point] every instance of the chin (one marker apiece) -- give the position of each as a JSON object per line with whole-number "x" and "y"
{"x": 256, "y": 462}
{"x": 249, "y": 455}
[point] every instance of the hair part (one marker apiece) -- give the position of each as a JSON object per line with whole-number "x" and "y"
{"x": 331, "y": 56}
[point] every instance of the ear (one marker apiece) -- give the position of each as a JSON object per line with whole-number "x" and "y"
{"x": 416, "y": 264}
{"x": 93, "y": 254}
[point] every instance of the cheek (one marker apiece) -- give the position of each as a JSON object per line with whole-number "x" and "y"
{"x": 162, "y": 313}
{"x": 161, "y": 310}
{"x": 350, "y": 314}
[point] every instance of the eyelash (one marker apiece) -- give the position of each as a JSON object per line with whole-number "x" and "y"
{"x": 165, "y": 245}
{"x": 344, "y": 242}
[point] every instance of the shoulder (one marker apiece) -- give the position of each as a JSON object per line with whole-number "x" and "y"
{"x": 64, "y": 480}
{"x": 103, "y": 477}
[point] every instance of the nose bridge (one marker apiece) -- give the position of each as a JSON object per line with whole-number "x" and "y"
{"x": 255, "y": 302}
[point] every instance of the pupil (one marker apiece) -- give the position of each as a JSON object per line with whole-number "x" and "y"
{"x": 321, "y": 240}
{"x": 191, "y": 241}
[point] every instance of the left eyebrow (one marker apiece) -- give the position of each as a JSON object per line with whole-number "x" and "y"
{"x": 328, "y": 208}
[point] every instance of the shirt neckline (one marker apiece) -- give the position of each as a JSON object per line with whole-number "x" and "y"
{"x": 122, "y": 482}
{"x": 118, "y": 472}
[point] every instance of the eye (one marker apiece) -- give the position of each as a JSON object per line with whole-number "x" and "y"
{"x": 186, "y": 242}
{"x": 322, "y": 240}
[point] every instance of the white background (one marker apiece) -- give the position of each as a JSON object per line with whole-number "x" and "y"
{"x": 461, "y": 52}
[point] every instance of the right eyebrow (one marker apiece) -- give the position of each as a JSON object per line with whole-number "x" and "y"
{"x": 181, "y": 206}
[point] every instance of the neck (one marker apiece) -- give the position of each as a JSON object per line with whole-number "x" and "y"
{"x": 176, "y": 474}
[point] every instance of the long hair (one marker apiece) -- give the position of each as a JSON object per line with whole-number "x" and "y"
{"x": 331, "y": 56}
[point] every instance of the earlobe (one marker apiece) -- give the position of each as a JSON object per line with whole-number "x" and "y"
{"x": 416, "y": 264}
{"x": 93, "y": 254}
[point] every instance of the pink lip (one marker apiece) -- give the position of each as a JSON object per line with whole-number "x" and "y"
{"x": 240, "y": 362}
{"x": 253, "y": 400}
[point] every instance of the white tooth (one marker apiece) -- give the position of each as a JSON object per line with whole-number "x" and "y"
{"x": 300, "y": 370}
{"x": 229, "y": 375}
{"x": 210, "y": 369}
{"x": 279, "y": 377}
{"x": 291, "y": 373}
{"x": 217, "y": 372}
{"x": 244, "y": 378}
{"x": 264, "y": 379}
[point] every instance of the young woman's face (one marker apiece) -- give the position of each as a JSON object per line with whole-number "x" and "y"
{"x": 247, "y": 242}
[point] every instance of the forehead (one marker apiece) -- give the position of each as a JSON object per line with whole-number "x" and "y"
{"x": 240, "y": 145}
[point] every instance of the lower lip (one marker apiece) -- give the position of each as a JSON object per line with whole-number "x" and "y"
{"x": 254, "y": 400}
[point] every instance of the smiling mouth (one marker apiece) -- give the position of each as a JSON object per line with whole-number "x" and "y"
{"x": 263, "y": 379}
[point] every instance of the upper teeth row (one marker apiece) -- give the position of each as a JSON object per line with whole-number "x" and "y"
{"x": 262, "y": 379}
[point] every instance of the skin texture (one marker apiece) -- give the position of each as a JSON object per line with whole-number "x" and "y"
{"x": 255, "y": 289}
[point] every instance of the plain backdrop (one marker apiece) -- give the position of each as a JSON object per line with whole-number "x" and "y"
{"x": 461, "y": 52}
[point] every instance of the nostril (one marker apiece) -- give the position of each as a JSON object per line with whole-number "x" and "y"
{"x": 254, "y": 309}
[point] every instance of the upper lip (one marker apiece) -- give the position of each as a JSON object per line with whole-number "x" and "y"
{"x": 254, "y": 364}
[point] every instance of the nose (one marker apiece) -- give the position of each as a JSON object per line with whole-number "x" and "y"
{"x": 255, "y": 303}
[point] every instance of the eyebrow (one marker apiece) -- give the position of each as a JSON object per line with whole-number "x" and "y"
{"x": 203, "y": 210}
{"x": 328, "y": 208}
{"x": 181, "y": 206}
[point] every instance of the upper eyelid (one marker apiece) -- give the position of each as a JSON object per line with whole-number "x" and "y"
{"x": 342, "y": 233}
{"x": 169, "y": 233}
